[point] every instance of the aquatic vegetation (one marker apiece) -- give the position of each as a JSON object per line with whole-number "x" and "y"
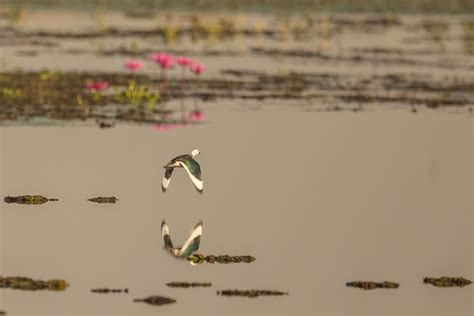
{"x": 447, "y": 281}
{"x": 468, "y": 38}
{"x": 197, "y": 69}
{"x": 14, "y": 14}
{"x": 107, "y": 290}
{"x": 27, "y": 199}
{"x": 97, "y": 85}
{"x": 368, "y": 285}
{"x": 170, "y": 34}
{"x": 189, "y": 164}
{"x": 197, "y": 116}
{"x": 136, "y": 94}
{"x": 95, "y": 88}
{"x": 104, "y": 199}
{"x": 195, "y": 259}
{"x": 188, "y": 284}
{"x": 190, "y": 246}
{"x": 251, "y": 293}
{"x": 164, "y": 60}
{"x": 10, "y": 93}
{"x": 213, "y": 32}
{"x": 99, "y": 18}
{"x": 66, "y": 99}
{"x": 133, "y": 65}
{"x": 28, "y": 284}
{"x": 156, "y": 300}
{"x": 183, "y": 61}
{"x": 436, "y": 32}
{"x": 49, "y": 75}
{"x": 134, "y": 47}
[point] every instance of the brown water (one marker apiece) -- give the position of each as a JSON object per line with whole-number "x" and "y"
{"x": 318, "y": 198}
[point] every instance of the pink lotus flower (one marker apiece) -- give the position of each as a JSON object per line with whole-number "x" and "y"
{"x": 96, "y": 86}
{"x": 197, "y": 116}
{"x": 197, "y": 69}
{"x": 133, "y": 65}
{"x": 184, "y": 61}
{"x": 165, "y": 60}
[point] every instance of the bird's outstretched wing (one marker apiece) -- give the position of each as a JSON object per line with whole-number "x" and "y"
{"x": 166, "y": 179}
{"x": 192, "y": 244}
{"x": 165, "y": 233}
{"x": 194, "y": 172}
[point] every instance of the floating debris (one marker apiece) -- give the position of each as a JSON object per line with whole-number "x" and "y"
{"x": 363, "y": 285}
{"x": 3, "y": 312}
{"x": 28, "y": 199}
{"x": 28, "y": 284}
{"x": 155, "y": 300}
{"x": 188, "y": 284}
{"x": 447, "y": 281}
{"x": 199, "y": 258}
{"x": 251, "y": 293}
{"x": 106, "y": 290}
{"x": 104, "y": 199}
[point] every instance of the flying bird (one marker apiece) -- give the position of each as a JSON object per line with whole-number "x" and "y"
{"x": 190, "y": 246}
{"x": 189, "y": 164}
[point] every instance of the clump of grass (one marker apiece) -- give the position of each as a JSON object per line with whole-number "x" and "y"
{"x": 436, "y": 31}
{"x": 136, "y": 94}
{"x": 14, "y": 14}
{"x": 468, "y": 39}
{"x": 10, "y": 93}
{"x": 49, "y": 75}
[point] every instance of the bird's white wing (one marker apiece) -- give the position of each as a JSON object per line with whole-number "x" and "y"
{"x": 192, "y": 244}
{"x": 194, "y": 172}
{"x": 165, "y": 233}
{"x": 166, "y": 179}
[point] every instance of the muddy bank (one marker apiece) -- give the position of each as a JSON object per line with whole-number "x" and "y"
{"x": 137, "y": 98}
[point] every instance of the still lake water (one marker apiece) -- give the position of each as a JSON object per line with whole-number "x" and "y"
{"x": 319, "y": 199}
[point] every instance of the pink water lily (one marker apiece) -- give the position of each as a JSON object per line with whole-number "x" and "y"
{"x": 133, "y": 65}
{"x": 183, "y": 61}
{"x": 165, "y": 60}
{"x": 196, "y": 116}
{"x": 96, "y": 86}
{"x": 197, "y": 69}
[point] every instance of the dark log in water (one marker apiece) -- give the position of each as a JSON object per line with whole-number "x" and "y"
{"x": 224, "y": 259}
{"x": 28, "y": 199}
{"x": 28, "y": 284}
{"x": 156, "y": 300}
{"x": 447, "y": 281}
{"x": 2, "y": 313}
{"x": 188, "y": 284}
{"x": 104, "y": 199}
{"x": 107, "y": 290}
{"x": 251, "y": 293}
{"x": 368, "y": 285}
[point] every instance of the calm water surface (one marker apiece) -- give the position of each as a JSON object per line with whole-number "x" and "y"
{"x": 318, "y": 198}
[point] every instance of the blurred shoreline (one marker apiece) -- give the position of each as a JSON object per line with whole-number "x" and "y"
{"x": 274, "y": 6}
